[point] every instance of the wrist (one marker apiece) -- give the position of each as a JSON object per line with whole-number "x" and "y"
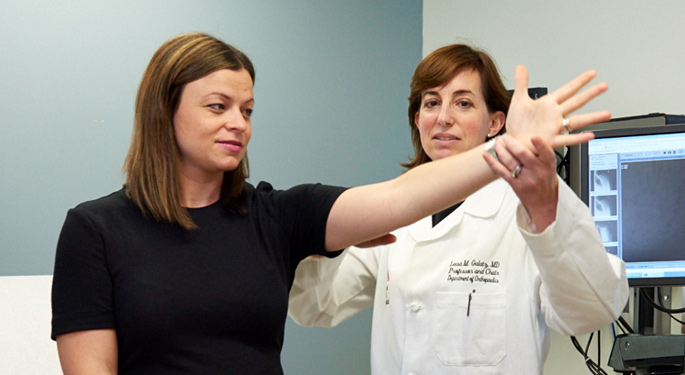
{"x": 490, "y": 147}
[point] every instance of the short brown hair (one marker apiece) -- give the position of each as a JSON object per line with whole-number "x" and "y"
{"x": 150, "y": 166}
{"x": 438, "y": 68}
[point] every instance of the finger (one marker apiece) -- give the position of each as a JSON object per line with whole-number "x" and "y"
{"x": 508, "y": 149}
{"x": 582, "y": 120}
{"x": 521, "y": 80}
{"x": 571, "y": 88}
{"x": 572, "y": 139}
{"x": 577, "y": 101}
{"x": 544, "y": 150}
{"x": 541, "y": 155}
{"x": 498, "y": 167}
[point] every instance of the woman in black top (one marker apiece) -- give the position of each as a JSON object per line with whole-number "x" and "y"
{"x": 186, "y": 270}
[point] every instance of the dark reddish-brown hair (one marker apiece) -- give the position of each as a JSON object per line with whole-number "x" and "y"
{"x": 437, "y": 69}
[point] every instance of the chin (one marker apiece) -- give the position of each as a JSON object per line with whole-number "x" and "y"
{"x": 229, "y": 165}
{"x": 443, "y": 154}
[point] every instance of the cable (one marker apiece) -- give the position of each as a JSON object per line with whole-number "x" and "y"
{"x": 599, "y": 350}
{"x": 623, "y": 324}
{"x": 591, "y": 365}
{"x": 676, "y": 319}
{"x": 563, "y": 165}
{"x": 658, "y": 291}
{"x": 651, "y": 302}
{"x": 660, "y": 306}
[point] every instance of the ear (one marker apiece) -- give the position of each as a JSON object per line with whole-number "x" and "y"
{"x": 496, "y": 123}
{"x": 416, "y": 118}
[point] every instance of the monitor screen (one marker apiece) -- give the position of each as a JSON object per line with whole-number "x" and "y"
{"x": 633, "y": 181}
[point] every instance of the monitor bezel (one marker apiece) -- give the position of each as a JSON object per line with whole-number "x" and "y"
{"x": 584, "y": 192}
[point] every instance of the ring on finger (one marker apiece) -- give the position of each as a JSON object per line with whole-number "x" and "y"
{"x": 516, "y": 171}
{"x": 566, "y": 124}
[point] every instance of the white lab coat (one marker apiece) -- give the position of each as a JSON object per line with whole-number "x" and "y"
{"x": 473, "y": 295}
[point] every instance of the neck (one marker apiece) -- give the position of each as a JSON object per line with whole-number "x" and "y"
{"x": 196, "y": 193}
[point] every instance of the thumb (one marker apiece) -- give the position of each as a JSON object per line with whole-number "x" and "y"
{"x": 521, "y": 80}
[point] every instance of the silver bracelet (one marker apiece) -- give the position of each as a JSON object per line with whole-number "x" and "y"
{"x": 490, "y": 147}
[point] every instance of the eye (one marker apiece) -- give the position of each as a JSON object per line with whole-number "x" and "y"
{"x": 430, "y": 103}
{"x": 217, "y": 106}
{"x": 464, "y": 104}
{"x": 247, "y": 112}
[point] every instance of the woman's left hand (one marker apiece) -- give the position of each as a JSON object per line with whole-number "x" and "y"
{"x": 548, "y": 116}
{"x": 531, "y": 174}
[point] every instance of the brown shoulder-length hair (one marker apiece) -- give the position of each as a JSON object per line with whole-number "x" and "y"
{"x": 437, "y": 69}
{"x": 151, "y": 163}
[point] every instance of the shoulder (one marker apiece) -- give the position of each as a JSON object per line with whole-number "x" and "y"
{"x": 115, "y": 199}
{"x": 299, "y": 194}
{"x": 112, "y": 208}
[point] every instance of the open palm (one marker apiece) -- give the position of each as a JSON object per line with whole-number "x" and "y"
{"x": 543, "y": 117}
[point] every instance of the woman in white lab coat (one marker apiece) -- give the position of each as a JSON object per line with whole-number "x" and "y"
{"x": 475, "y": 288}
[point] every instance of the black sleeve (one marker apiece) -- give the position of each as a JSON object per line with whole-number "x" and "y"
{"x": 81, "y": 286}
{"x": 304, "y": 211}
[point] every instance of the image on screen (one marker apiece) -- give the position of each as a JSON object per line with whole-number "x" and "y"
{"x": 634, "y": 185}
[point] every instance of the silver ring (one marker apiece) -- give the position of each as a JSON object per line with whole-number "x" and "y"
{"x": 565, "y": 124}
{"x": 516, "y": 171}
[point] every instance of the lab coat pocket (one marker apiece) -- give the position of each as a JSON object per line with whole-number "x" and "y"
{"x": 470, "y": 329}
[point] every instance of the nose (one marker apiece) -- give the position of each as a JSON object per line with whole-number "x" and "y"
{"x": 445, "y": 116}
{"x": 236, "y": 120}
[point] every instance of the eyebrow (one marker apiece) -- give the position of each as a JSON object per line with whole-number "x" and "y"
{"x": 227, "y": 97}
{"x": 454, "y": 93}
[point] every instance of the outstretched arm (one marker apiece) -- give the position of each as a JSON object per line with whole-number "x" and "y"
{"x": 367, "y": 212}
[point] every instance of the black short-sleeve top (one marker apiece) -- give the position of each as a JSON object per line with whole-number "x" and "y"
{"x": 205, "y": 301}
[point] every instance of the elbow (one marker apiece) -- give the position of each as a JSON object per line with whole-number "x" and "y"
{"x": 590, "y": 314}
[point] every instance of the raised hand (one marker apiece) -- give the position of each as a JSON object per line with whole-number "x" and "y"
{"x": 545, "y": 116}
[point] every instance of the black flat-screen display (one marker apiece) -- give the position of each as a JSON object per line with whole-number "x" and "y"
{"x": 633, "y": 181}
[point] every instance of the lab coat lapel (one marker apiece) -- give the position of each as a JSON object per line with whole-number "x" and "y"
{"x": 484, "y": 203}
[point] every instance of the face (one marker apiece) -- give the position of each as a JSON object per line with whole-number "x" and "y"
{"x": 212, "y": 124}
{"x": 454, "y": 118}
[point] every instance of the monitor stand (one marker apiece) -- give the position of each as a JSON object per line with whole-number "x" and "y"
{"x": 652, "y": 349}
{"x": 646, "y": 319}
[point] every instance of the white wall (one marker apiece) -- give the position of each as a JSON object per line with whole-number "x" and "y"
{"x": 25, "y": 345}
{"x": 636, "y": 46}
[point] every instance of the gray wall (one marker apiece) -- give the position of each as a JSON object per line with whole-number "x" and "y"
{"x": 635, "y": 45}
{"x": 331, "y": 88}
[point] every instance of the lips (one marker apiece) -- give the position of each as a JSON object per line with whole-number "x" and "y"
{"x": 234, "y": 146}
{"x": 445, "y": 137}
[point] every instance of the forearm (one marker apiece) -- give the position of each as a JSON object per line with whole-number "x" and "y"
{"x": 583, "y": 287}
{"x": 369, "y": 211}
{"x": 543, "y": 210}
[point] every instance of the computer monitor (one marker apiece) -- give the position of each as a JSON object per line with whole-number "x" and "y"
{"x": 633, "y": 180}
